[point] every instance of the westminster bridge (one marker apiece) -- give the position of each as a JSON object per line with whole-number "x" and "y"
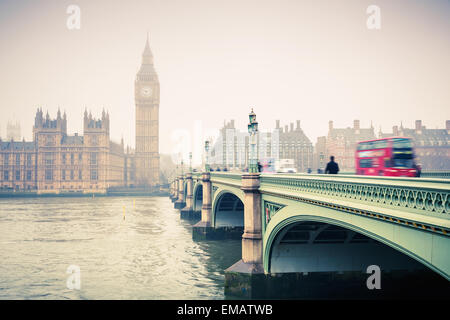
{"x": 323, "y": 227}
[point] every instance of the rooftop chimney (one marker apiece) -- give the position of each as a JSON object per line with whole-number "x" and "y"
{"x": 418, "y": 126}
{"x": 292, "y": 126}
{"x": 298, "y": 124}
{"x": 395, "y": 131}
{"x": 232, "y": 124}
{"x": 356, "y": 126}
{"x": 330, "y": 125}
{"x": 278, "y": 124}
{"x": 286, "y": 128}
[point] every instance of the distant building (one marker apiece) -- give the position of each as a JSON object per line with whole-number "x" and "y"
{"x": 294, "y": 144}
{"x": 341, "y": 143}
{"x": 321, "y": 157}
{"x": 13, "y": 131}
{"x": 56, "y": 162}
{"x": 130, "y": 168}
{"x": 432, "y": 146}
{"x": 168, "y": 169}
{"x": 231, "y": 148}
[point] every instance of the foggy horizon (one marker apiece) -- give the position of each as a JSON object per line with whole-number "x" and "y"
{"x": 289, "y": 60}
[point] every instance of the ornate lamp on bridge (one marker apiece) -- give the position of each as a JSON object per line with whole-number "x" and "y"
{"x": 206, "y": 156}
{"x": 253, "y": 131}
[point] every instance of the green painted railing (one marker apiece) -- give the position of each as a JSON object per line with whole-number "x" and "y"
{"x": 417, "y": 195}
{"x": 229, "y": 175}
{"x": 445, "y": 174}
{"x": 423, "y": 196}
{"x": 196, "y": 175}
{"x": 227, "y": 178}
{"x": 435, "y": 174}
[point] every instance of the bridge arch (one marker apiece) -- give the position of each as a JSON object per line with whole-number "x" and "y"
{"x": 227, "y": 208}
{"x": 418, "y": 245}
{"x": 197, "y": 196}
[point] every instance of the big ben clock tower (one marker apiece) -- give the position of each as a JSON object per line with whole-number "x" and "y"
{"x": 146, "y": 94}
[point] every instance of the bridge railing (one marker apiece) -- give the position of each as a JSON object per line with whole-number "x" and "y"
{"x": 425, "y": 196}
{"x": 445, "y": 174}
{"x": 417, "y": 195}
{"x": 196, "y": 175}
{"x": 228, "y": 178}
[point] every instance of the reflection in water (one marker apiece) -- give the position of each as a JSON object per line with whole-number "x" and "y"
{"x": 148, "y": 255}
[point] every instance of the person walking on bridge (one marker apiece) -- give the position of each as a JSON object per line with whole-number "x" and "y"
{"x": 332, "y": 167}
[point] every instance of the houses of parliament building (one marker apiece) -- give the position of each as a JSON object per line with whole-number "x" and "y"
{"x": 56, "y": 162}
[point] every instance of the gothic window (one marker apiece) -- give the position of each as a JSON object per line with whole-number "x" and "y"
{"x": 28, "y": 159}
{"x": 6, "y": 175}
{"x": 29, "y": 175}
{"x": 6, "y": 159}
{"x": 94, "y": 140}
{"x": 50, "y": 141}
{"x": 80, "y": 175}
{"x": 71, "y": 158}
{"x": 63, "y": 174}
{"x": 94, "y": 175}
{"x": 48, "y": 159}
{"x": 63, "y": 158}
{"x": 49, "y": 174}
{"x": 93, "y": 159}
{"x": 71, "y": 175}
{"x": 17, "y": 175}
{"x": 17, "y": 159}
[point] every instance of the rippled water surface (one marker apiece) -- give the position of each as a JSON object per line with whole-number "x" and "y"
{"x": 148, "y": 255}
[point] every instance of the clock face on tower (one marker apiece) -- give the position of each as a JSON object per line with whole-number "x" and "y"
{"x": 146, "y": 92}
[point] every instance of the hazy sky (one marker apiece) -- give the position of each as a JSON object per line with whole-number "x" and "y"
{"x": 309, "y": 60}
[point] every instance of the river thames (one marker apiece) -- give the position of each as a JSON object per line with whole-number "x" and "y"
{"x": 149, "y": 254}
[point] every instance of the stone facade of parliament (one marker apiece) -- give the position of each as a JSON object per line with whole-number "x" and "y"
{"x": 55, "y": 162}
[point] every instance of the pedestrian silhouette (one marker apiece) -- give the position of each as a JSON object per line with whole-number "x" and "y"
{"x": 332, "y": 167}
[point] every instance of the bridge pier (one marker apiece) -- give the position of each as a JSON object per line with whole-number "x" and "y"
{"x": 203, "y": 229}
{"x": 179, "y": 203}
{"x": 246, "y": 277}
{"x": 174, "y": 196}
{"x": 171, "y": 190}
{"x": 188, "y": 211}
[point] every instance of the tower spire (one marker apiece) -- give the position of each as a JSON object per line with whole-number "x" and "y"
{"x": 147, "y": 56}
{"x": 147, "y": 92}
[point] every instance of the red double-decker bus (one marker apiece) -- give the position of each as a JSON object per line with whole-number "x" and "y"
{"x": 386, "y": 157}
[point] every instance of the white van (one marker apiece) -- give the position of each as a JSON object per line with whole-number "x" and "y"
{"x": 286, "y": 166}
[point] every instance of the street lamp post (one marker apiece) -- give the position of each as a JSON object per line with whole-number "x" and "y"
{"x": 253, "y": 130}
{"x": 190, "y": 162}
{"x": 206, "y": 156}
